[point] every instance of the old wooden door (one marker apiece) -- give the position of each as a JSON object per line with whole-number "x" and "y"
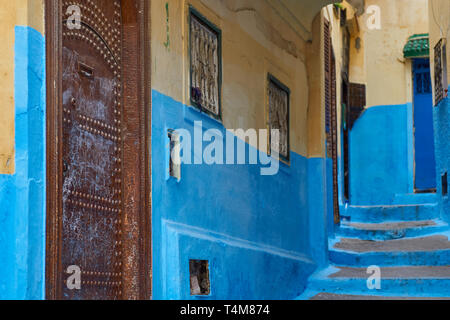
{"x": 99, "y": 196}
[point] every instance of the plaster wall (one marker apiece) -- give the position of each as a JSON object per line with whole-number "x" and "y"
{"x": 22, "y": 150}
{"x": 439, "y": 26}
{"x": 12, "y": 13}
{"x": 256, "y": 41}
{"x": 383, "y": 68}
{"x": 240, "y": 221}
{"x": 382, "y": 139}
{"x": 439, "y": 18}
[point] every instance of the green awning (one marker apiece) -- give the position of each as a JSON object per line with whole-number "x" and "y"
{"x": 418, "y": 46}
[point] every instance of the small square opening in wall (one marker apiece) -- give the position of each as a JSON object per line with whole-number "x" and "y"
{"x": 199, "y": 277}
{"x": 445, "y": 184}
{"x": 174, "y": 156}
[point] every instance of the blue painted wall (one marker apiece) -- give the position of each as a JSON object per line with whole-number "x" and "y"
{"x": 320, "y": 206}
{"x": 254, "y": 230}
{"x": 441, "y": 116}
{"x": 22, "y": 195}
{"x": 380, "y": 155}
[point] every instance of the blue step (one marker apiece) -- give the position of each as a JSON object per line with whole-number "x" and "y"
{"x": 319, "y": 295}
{"x": 415, "y": 198}
{"x": 432, "y": 250}
{"x": 407, "y": 241}
{"x": 397, "y": 281}
{"x": 436, "y": 258}
{"x": 379, "y": 214}
{"x": 390, "y": 230}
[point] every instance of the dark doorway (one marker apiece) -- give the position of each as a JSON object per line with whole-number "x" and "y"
{"x": 425, "y": 164}
{"x": 98, "y": 161}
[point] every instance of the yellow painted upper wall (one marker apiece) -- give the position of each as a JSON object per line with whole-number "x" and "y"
{"x": 316, "y": 113}
{"x": 386, "y": 73}
{"x": 256, "y": 40}
{"x": 12, "y": 13}
{"x": 7, "y": 23}
{"x": 439, "y": 20}
{"x": 378, "y": 63}
{"x": 31, "y": 13}
{"x": 301, "y": 13}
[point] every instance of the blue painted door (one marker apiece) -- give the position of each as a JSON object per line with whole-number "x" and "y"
{"x": 425, "y": 169}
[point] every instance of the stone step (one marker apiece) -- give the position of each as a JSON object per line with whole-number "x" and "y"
{"x": 414, "y": 198}
{"x": 390, "y": 230}
{"x": 407, "y": 280}
{"x": 334, "y": 296}
{"x": 431, "y": 250}
{"x": 405, "y": 272}
{"x": 390, "y": 213}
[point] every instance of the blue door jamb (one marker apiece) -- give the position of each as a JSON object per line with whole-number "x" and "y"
{"x": 425, "y": 164}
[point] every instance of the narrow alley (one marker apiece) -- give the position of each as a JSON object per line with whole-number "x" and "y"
{"x": 409, "y": 244}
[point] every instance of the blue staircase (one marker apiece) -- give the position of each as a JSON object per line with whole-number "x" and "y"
{"x": 408, "y": 243}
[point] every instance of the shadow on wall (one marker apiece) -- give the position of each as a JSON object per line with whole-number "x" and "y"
{"x": 441, "y": 116}
{"x": 379, "y": 155}
{"x": 253, "y": 230}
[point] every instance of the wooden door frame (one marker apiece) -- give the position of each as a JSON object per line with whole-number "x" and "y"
{"x": 334, "y": 138}
{"x": 330, "y": 83}
{"x": 137, "y": 243}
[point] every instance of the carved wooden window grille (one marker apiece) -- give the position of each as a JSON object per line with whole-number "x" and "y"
{"x": 357, "y": 95}
{"x": 357, "y": 102}
{"x": 438, "y": 85}
{"x": 205, "y": 65}
{"x": 440, "y": 72}
{"x": 279, "y": 96}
